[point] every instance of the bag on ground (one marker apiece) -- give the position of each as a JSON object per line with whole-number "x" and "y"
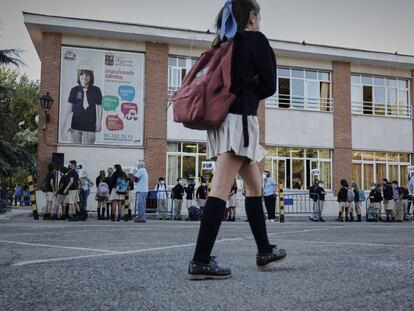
{"x": 194, "y": 213}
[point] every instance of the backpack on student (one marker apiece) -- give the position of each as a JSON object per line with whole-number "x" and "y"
{"x": 350, "y": 196}
{"x": 362, "y": 197}
{"x": 204, "y": 99}
{"x": 102, "y": 190}
{"x": 121, "y": 185}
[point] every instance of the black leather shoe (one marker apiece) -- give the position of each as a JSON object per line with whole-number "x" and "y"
{"x": 202, "y": 271}
{"x": 277, "y": 254}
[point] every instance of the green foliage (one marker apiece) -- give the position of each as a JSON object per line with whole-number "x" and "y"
{"x": 19, "y": 101}
{"x": 11, "y": 57}
{"x": 19, "y": 98}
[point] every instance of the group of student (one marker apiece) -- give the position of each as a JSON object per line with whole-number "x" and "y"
{"x": 195, "y": 198}
{"x": 396, "y": 200}
{"x": 67, "y": 195}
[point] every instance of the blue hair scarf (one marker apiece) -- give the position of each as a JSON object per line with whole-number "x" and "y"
{"x": 228, "y": 27}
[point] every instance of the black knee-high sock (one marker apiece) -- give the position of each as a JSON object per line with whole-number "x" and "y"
{"x": 209, "y": 227}
{"x": 255, "y": 215}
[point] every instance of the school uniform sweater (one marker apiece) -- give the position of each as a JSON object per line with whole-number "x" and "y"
{"x": 253, "y": 74}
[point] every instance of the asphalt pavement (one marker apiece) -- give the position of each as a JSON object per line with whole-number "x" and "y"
{"x": 103, "y": 265}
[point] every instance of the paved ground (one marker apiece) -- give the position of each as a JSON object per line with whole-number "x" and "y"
{"x": 125, "y": 266}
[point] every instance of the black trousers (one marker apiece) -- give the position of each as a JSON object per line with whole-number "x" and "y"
{"x": 270, "y": 203}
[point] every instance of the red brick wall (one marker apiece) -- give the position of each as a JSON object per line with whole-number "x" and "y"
{"x": 156, "y": 84}
{"x": 49, "y": 82}
{"x": 342, "y": 156}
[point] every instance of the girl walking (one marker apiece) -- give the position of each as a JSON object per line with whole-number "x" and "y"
{"x": 235, "y": 144}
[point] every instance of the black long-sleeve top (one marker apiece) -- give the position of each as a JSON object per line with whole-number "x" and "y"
{"x": 252, "y": 58}
{"x": 375, "y": 196}
{"x": 388, "y": 192}
{"x": 201, "y": 192}
{"x": 343, "y": 195}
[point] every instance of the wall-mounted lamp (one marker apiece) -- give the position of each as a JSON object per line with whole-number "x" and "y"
{"x": 46, "y": 102}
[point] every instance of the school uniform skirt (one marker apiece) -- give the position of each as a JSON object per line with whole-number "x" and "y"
{"x": 115, "y": 196}
{"x": 229, "y": 137}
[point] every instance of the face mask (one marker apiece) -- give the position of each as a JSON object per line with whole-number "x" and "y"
{"x": 264, "y": 176}
{"x": 180, "y": 182}
{"x": 373, "y": 188}
{"x": 320, "y": 185}
{"x": 394, "y": 186}
{"x": 162, "y": 182}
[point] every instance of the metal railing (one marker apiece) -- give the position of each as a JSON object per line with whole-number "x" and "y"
{"x": 376, "y": 109}
{"x": 299, "y": 203}
{"x": 300, "y": 103}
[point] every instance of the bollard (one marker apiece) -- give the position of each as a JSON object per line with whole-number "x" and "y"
{"x": 281, "y": 205}
{"x": 32, "y": 189}
{"x": 127, "y": 210}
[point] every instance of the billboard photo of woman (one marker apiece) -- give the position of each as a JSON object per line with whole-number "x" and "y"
{"x": 85, "y": 106}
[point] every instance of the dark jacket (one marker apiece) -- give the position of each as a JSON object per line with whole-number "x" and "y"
{"x": 189, "y": 190}
{"x": 388, "y": 192}
{"x": 356, "y": 200}
{"x": 375, "y": 196}
{"x": 178, "y": 192}
{"x": 201, "y": 192}
{"x": 343, "y": 195}
{"x": 321, "y": 192}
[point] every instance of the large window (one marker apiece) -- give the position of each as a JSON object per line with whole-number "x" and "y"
{"x": 380, "y": 96}
{"x": 303, "y": 89}
{"x": 177, "y": 69}
{"x": 372, "y": 167}
{"x": 183, "y": 160}
{"x": 291, "y": 167}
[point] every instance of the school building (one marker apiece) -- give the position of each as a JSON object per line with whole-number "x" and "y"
{"x": 344, "y": 111}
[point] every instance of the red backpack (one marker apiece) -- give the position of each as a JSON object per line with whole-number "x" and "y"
{"x": 204, "y": 99}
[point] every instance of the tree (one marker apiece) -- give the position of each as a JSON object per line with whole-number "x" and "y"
{"x": 18, "y": 102}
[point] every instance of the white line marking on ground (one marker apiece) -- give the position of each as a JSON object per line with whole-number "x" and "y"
{"x": 23, "y": 263}
{"x": 58, "y": 246}
{"x": 348, "y": 243}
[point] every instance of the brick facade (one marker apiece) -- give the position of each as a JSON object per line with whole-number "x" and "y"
{"x": 50, "y": 82}
{"x": 342, "y": 154}
{"x": 156, "y": 87}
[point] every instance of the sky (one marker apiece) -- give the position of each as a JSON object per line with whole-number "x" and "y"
{"x": 379, "y": 25}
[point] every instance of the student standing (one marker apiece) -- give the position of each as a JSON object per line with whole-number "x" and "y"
{"x": 50, "y": 190}
{"x": 343, "y": 200}
{"x": 269, "y": 195}
{"x": 232, "y": 202}
{"x": 201, "y": 195}
{"x": 118, "y": 192}
{"x": 162, "y": 203}
{"x": 357, "y": 202}
{"x": 235, "y": 144}
{"x": 189, "y": 192}
{"x": 72, "y": 192}
{"x": 102, "y": 194}
{"x": 111, "y": 185}
{"x": 320, "y": 190}
{"x": 375, "y": 199}
{"x": 178, "y": 194}
{"x": 389, "y": 203}
{"x": 60, "y": 195}
{"x": 398, "y": 195}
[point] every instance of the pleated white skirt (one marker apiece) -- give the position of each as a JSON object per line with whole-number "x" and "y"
{"x": 229, "y": 137}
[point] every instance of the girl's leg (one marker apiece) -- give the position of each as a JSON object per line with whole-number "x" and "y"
{"x": 227, "y": 166}
{"x": 254, "y": 206}
{"x": 113, "y": 210}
